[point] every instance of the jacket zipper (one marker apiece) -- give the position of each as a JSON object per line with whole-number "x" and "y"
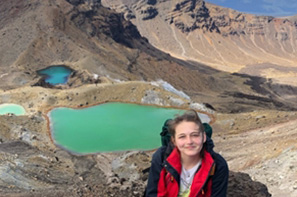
{"x": 206, "y": 180}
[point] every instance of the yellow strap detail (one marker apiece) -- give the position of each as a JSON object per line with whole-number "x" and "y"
{"x": 213, "y": 170}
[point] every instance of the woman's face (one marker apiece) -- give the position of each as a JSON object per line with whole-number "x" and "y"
{"x": 188, "y": 139}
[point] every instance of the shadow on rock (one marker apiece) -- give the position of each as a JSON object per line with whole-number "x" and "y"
{"x": 241, "y": 185}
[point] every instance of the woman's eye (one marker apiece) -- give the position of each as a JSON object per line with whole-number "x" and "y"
{"x": 180, "y": 137}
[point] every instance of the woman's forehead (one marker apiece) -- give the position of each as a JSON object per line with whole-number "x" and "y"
{"x": 186, "y": 126}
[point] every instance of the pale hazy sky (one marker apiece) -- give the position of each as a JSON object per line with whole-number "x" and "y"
{"x": 261, "y": 7}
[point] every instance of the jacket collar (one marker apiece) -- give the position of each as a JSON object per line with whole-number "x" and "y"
{"x": 174, "y": 159}
{"x": 202, "y": 175}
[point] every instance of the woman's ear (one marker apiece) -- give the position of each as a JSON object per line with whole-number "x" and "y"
{"x": 172, "y": 140}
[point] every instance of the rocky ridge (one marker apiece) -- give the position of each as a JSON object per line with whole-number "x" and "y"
{"x": 219, "y": 37}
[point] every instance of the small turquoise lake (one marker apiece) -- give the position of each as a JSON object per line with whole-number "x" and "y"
{"x": 10, "y": 108}
{"x": 55, "y": 74}
{"x": 110, "y": 127}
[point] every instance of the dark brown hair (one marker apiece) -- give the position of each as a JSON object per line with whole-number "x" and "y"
{"x": 188, "y": 116}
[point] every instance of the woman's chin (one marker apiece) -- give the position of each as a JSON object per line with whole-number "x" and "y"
{"x": 191, "y": 153}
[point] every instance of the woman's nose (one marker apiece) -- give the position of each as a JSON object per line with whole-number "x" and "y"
{"x": 189, "y": 140}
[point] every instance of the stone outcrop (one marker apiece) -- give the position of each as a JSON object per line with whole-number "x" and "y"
{"x": 189, "y": 15}
{"x": 96, "y": 21}
{"x": 148, "y": 12}
{"x": 241, "y": 184}
{"x": 92, "y": 3}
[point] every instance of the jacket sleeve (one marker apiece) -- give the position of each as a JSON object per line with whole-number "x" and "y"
{"x": 154, "y": 174}
{"x": 220, "y": 177}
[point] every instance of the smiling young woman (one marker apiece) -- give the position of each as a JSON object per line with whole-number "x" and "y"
{"x": 192, "y": 167}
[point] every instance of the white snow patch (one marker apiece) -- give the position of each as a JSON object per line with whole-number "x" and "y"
{"x": 200, "y": 107}
{"x": 177, "y": 101}
{"x": 114, "y": 80}
{"x": 3, "y": 75}
{"x": 167, "y": 86}
{"x": 95, "y": 76}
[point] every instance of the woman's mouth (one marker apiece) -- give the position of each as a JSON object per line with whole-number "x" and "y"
{"x": 190, "y": 147}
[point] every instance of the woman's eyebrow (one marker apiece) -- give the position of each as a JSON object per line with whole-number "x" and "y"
{"x": 196, "y": 131}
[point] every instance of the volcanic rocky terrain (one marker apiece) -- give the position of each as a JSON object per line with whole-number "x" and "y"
{"x": 238, "y": 68}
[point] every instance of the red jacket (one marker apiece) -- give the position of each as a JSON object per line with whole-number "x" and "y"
{"x": 169, "y": 186}
{"x": 211, "y": 179}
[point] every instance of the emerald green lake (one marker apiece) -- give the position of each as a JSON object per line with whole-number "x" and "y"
{"x": 12, "y": 109}
{"x": 110, "y": 127}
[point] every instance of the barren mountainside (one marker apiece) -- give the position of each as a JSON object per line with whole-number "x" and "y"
{"x": 222, "y": 38}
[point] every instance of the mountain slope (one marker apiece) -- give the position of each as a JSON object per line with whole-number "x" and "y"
{"x": 219, "y": 37}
